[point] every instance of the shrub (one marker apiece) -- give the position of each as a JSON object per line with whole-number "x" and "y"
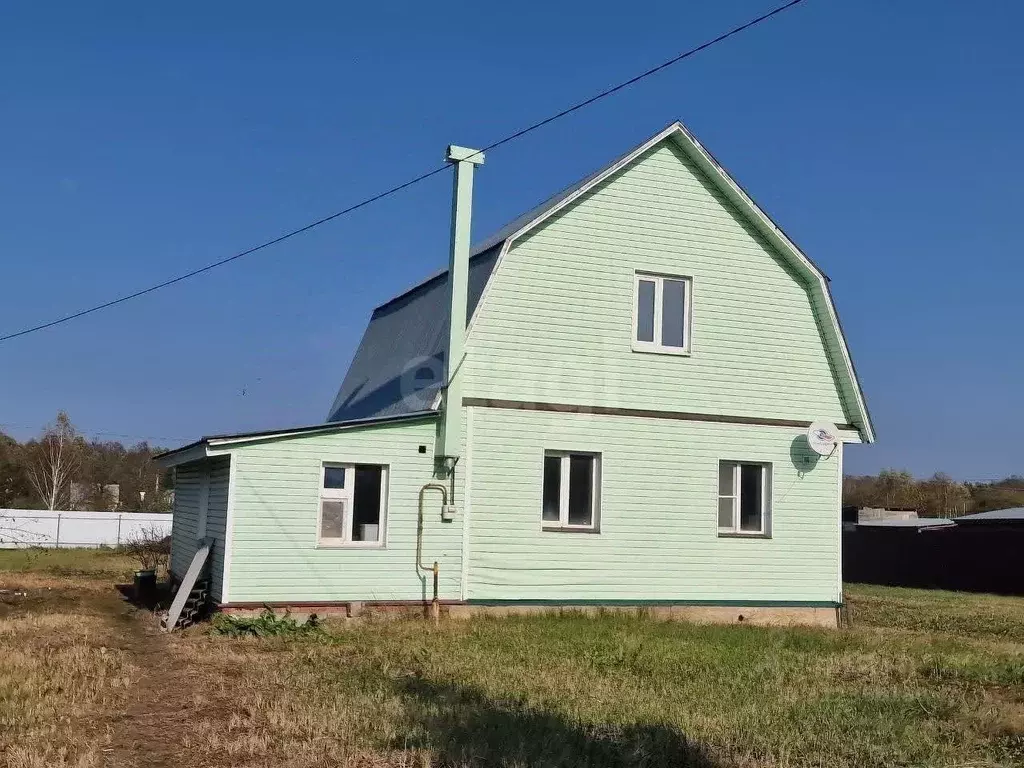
{"x": 150, "y": 548}
{"x": 267, "y": 624}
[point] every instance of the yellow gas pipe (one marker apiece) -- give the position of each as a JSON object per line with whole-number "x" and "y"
{"x": 435, "y": 606}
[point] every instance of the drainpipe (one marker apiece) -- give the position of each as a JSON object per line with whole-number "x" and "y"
{"x": 465, "y": 161}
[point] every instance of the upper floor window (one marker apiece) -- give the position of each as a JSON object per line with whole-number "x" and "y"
{"x": 661, "y": 313}
{"x": 353, "y": 505}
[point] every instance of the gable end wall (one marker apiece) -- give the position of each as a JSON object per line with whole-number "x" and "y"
{"x": 555, "y": 324}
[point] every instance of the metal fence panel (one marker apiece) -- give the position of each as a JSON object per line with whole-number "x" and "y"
{"x": 43, "y": 528}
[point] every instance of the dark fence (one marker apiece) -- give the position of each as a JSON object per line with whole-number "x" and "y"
{"x": 976, "y": 558}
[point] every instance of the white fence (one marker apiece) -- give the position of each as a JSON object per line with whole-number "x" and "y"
{"x": 42, "y": 528}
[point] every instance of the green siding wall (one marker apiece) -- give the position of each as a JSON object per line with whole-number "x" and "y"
{"x": 659, "y": 526}
{"x": 555, "y": 324}
{"x": 216, "y": 521}
{"x": 185, "y": 525}
{"x": 275, "y": 557}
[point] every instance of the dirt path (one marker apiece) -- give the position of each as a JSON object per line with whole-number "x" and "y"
{"x": 129, "y": 712}
{"x": 144, "y": 711}
{"x": 151, "y": 731}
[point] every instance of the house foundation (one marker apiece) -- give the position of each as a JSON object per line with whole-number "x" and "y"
{"x": 770, "y": 616}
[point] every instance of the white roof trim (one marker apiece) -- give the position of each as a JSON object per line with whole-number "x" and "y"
{"x": 693, "y": 148}
{"x": 174, "y": 458}
{"x": 220, "y": 445}
{"x": 216, "y": 442}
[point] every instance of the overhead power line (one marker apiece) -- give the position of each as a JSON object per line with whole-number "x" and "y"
{"x": 422, "y": 177}
{"x": 93, "y": 432}
{"x": 222, "y": 262}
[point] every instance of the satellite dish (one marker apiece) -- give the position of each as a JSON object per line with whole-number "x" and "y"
{"x": 823, "y": 437}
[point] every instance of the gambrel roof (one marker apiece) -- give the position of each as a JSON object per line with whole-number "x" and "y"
{"x": 398, "y": 366}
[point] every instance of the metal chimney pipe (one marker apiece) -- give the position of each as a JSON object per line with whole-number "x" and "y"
{"x": 465, "y": 160}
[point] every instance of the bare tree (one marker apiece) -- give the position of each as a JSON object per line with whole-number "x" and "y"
{"x": 53, "y": 460}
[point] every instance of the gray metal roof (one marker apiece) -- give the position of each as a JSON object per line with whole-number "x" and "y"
{"x": 1015, "y": 515}
{"x": 914, "y": 522}
{"x": 499, "y": 237}
{"x": 399, "y": 365}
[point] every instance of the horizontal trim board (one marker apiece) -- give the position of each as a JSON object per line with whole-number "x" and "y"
{"x": 653, "y": 603}
{"x": 282, "y": 604}
{"x": 600, "y": 410}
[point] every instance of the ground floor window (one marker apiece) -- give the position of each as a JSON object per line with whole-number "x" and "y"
{"x": 744, "y": 497}
{"x": 571, "y": 490}
{"x": 353, "y": 504}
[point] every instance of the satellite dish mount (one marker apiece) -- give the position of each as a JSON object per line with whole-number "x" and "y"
{"x": 823, "y": 437}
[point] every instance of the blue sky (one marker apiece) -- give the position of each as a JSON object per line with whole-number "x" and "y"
{"x": 140, "y": 141}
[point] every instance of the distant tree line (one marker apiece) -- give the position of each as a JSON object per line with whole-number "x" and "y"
{"x": 61, "y": 469}
{"x": 938, "y": 496}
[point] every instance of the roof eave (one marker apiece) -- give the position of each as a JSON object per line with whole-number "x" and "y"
{"x": 780, "y": 240}
{"x": 218, "y": 445}
{"x": 196, "y": 451}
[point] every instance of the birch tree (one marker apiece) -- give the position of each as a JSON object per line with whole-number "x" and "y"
{"x": 53, "y": 461}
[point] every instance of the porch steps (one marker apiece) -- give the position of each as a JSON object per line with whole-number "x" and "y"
{"x": 196, "y": 604}
{"x": 193, "y": 592}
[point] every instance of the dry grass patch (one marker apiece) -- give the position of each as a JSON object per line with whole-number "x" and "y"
{"x": 57, "y": 671}
{"x": 64, "y": 670}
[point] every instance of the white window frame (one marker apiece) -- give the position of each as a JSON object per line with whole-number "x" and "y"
{"x": 659, "y": 286}
{"x": 563, "y": 524}
{"x": 767, "y": 484}
{"x": 347, "y": 495}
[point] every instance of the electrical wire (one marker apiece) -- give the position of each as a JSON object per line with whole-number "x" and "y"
{"x": 222, "y": 262}
{"x": 95, "y": 433}
{"x": 416, "y": 180}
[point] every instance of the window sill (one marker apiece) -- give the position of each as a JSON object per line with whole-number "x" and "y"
{"x": 741, "y": 535}
{"x": 568, "y": 529}
{"x": 355, "y": 546}
{"x": 652, "y": 349}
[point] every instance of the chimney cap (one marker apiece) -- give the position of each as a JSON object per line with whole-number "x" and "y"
{"x": 457, "y": 154}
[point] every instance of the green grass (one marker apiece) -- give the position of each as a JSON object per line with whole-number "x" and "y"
{"x": 625, "y": 690}
{"x": 921, "y": 679}
{"x": 81, "y": 564}
{"x": 953, "y": 614}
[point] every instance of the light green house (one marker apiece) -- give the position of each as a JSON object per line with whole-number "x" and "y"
{"x": 624, "y": 422}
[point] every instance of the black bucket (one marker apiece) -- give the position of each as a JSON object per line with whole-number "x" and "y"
{"x": 145, "y": 586}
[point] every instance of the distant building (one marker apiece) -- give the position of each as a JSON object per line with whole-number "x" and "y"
{"x": 909, "y": 523}
{"x": 82, "y": 492}
{"x": 853, "y": 516}
{"x": 997, "y": 517}
{"x": 976, "y": 553}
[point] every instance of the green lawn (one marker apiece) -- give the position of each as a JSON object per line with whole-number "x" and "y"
{"x": 89, "y": 564}
{"x": 952, "y": 614}
{"x": 921, "y": 678}
{"x": 896, "y": 689}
